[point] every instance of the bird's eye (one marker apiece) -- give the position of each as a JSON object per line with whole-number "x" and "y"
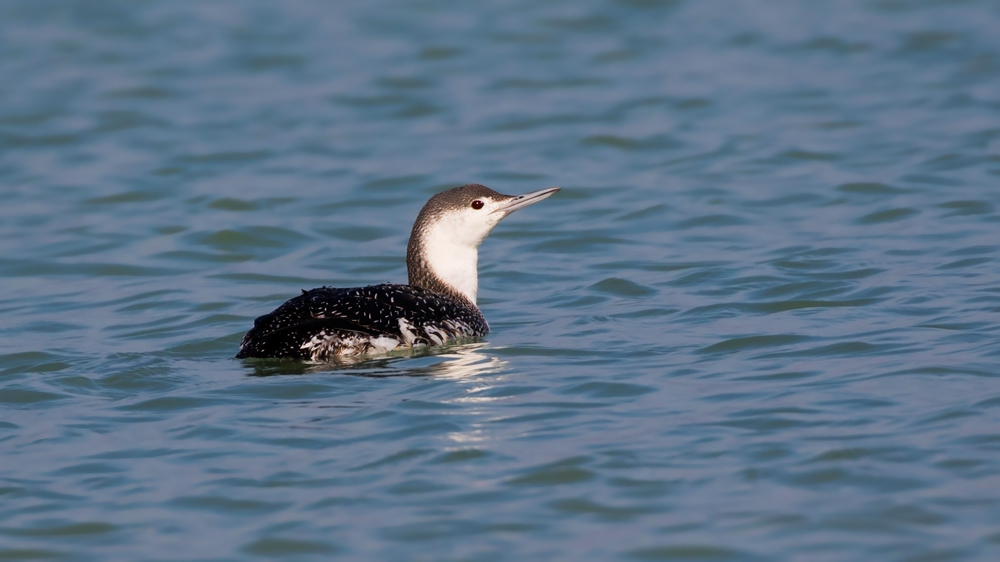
{"x": 477, "y": 204}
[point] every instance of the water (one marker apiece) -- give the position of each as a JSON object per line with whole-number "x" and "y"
{"x": 760, "y": 322}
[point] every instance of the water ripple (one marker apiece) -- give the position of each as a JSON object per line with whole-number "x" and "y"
{"x": 758, "y": 323}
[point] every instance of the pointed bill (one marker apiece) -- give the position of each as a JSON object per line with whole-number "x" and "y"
{"x": 522, "y": 201}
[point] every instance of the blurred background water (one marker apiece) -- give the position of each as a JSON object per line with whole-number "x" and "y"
{"x": 760, "y": 322}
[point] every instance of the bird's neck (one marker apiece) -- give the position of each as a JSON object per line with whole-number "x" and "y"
{"x": 440, "y": 264}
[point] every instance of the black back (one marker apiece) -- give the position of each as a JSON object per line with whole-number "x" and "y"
{"x": 359, "y": 313}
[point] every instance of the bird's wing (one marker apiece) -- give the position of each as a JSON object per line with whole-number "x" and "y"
{"x": 409, "y": 315}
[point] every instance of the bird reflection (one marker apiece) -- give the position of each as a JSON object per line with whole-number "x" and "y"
{"x": 452, "y": 361}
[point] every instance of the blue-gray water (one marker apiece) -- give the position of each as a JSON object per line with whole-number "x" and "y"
{"x": 760, "y": 322}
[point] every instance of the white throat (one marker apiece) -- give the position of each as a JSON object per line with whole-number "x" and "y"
{"x": 454, "y": 259}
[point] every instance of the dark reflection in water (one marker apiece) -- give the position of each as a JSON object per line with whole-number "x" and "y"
{"x": 454, "y": 360}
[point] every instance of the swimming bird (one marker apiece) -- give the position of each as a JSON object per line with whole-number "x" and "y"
{"x": 438, "y": 304}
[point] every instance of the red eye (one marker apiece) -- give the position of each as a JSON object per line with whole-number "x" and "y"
{"x": 477, "y": 204}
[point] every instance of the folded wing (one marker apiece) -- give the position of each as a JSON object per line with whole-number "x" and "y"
{"x": 327, "y": 322}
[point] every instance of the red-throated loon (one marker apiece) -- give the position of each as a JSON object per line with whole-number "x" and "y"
{"x": 438, "y": 305}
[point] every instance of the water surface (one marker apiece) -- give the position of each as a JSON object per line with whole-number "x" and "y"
{"x": 760, "y": 322}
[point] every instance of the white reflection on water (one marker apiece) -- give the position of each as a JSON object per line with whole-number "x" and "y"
{"x": 468, "y": 361}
